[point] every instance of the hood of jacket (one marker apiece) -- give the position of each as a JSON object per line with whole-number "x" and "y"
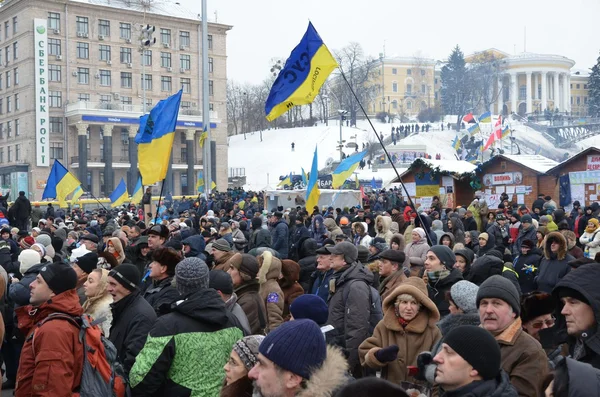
{"x": 290, "y": 272}
{"x": 356, "y": 271}
{"x": 558, "y": 215}
{"x": 330, "y": 224}
{"x": 485, "y": 267}
{"x": 205, "y": 306}
{"x": 321, "y": 228}
{"x": 428, "y": 315}
{"x": 583, "y": 379}
{"x": 325, "y": 380}
{"x": 270, "y": 267}
{"x": 398, "y": 239}
{"x": 383, "y": 224}
{"x": 67, "y": 302}
{"x": 452, "y": 321}
{"x": 308, "y": 247}
{"x": 450, "y": 236}
{"x": 196, "y": 244}
{"x": 562, "y": 248}
{"x": 456, "y": 224}
{"x": 437, "y": 225}
{"x": 61, "y": 233}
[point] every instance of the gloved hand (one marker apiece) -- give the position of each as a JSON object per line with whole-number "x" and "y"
{"x": 387, "y": 354}
{"x": 426, "y": 367}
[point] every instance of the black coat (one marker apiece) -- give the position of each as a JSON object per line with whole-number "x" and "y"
{"x": 22, "y": 207}
{"x": 527, "y": 267}
{"x": 308, "y": 261}
{"x": 437, "y": 291}
{"x": 499, "y": 387}
{"x": 161, "y": 294}
{"x": 470, "y": 224}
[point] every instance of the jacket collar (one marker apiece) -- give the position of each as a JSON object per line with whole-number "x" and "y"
{"x": 329, "y": 377}
{"x": 509, "y": 335}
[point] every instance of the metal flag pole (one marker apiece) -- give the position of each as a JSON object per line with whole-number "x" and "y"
{"x": 162, "y": 186}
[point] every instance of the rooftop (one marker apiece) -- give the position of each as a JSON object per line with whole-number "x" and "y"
{"x": 535, "y": 162}
{"x": 169, "y": 8}
{"x": 451, "y": 166}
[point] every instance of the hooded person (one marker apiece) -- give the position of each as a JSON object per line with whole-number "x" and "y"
{"x": 472, "y": 240}
{"x": 194, "y": 246}
{"x": 573, "y": 378}
{"x": 98, "y": 301}
{"x": 270, "y": 291}
{"x": 486, "y": 266}
{"x": 447, "y": 239}
{"x": 437, "y": 227}
{"x": 307, "y": 254}
{"x": 332, "y": 228}
{"x": 29, "y": 267}
{"x": 416, "y": 250}
{"x": 485, "y": 244}
{"x": 290, "y": 273}
{"x": 457, "y": 229}
{"x": 361, "y": 235}
{"x": 590, "y": 240}
{"x": 243, "y": 269}
{"x": 259, "y": 236}
{"x": 572, "y": 247}
{"x": 242, "y": 359}
{"x": 383, "y": 228}
{"x": 114, "y": 246}
{"x": 440, "y": 275}
{"x": 526, "y": 232}
{"x": 554, "y": 264}
{"x": 526, "y": 264}
{"x": 318, "y": 230}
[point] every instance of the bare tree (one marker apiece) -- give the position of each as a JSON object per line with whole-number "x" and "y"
{"x": 484, "y": 70}
{"x": 233, "y": 106}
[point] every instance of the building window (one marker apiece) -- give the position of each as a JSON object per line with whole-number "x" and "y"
{"x": 15, "y": 25}
{"x": 147, "y": 58}
{"x": 54, "y": 72}
{"x": 17, "y": 152}
{"x": 9, "y": 154}
{"x": 54, "y": 20}
{"x": 577, "y": 86}
{"x": 105, "y": 77}
{"x": 16, "y": 72}
{"x": 578, "y": 100}
{"x": 409, "y": 72}
{"x": 125, "y": 55}
{"x": 423, "y": 88}
{"x": 83, "y": 50}
{"x": 103, "y": 27}
{"x": 0, "y": 57}
{"x": 17, "y": 102}
{"x": 6, "y": 30}
{"x": 147, "y": 82}
{"x": 165, "y": 59}
{"x": 54, "y": 47}
{"x": 165, "y": 36}
{"x": 83, "y": 97}
{"x": 8, "y": 104}
{"x": 408, "y": 104}
{"x": 186, "y": 105}
{"x": 1, "y": 155}
{"x": 394, "y": 71}
{"x": 7, "y": 53}
{"x": 148, "y": 103}
{"x": 83, "y": 75}
{"x": 211, "y": 65}
{"x": 104, "y": 52}
{"x": 585, "y": 86}
{"x": 394, "y": 104}
{"x": 186, "y": 85}
{"x": 211, "y": 88}
{"x": 183, "y": 154}
{"x": 210, "y": 41}
{"x": 1, "y": 106}
{"x": 125, "y": 31}
{"x": 55, "y": 99}
{"x": 522, "y": 91}
{"x": 8, "y": 80}
{"x": 539, "y": 91}
{"x": 15, "y": 50}
{"x": 17, "y": 127}
{"x": 409, "y": 89}
{"x": 126, "y": 100}
{"x": 394, "y": 87}
{"x": 8, "y": 129}
{"x": 105, "y": 99}
{"x": 82, "y": 25}
{"x": 185, "y": 62}
{"x": 422, "y": 72}
{"x": 0, "y": 81}
{"x": 125, "y": 79}
{"x": 165, "y": 83}
{"x": 56, "y": 150}
{"x": 1, "y": 130}
{"x": 184, "y": 39}
{"x": 211, "y": 106}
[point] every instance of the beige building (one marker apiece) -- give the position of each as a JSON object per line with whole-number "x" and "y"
{"x": 71, "y": 89}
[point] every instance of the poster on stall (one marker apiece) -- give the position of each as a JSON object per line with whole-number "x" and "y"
{"x": 492, "y": 200}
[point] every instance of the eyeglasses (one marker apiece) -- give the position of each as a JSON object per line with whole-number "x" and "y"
{"x": 549, "y": 323}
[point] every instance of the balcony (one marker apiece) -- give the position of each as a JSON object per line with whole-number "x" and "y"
{"x": 122, "y": 110}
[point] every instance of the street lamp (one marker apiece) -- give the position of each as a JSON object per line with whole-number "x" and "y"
{"x": 244, "y": 104}
{"x": 146, "y": 40}
{"x": 342, "y": 117}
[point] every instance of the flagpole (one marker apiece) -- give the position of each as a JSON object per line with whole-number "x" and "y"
{"x": 162, "y": 186}
{"x": 425, "y": 225}
{"x": 95, "y": 198}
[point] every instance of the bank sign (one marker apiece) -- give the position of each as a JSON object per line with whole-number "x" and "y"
{"x": 42, "y": 117}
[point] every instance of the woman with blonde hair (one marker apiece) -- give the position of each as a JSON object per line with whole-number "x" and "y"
{"x": 98, "y": 301}
{"x": 115, "y": 247}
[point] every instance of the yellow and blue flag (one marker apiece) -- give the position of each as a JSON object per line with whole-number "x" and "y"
{"x": 486, "y": 117}
{"x": 138, "y": 191}
{"x": 76, "y": 194}
{"x": 300, "y": 80}
{"x": 203, "y": 137}
{"x": 213, "y": 185}
{"x": 456, "y": 143}
{"x": 155, "y": 139}
{"x": 286, "y": 181}
{"x": 119, "y": 196}
{"x": 356, "y": 181}
{"x": 474, "y": 129}
{"x": 312, "y": 190}
{"x": 505, "y": 132}
{"x": 346, "y": 168}
{"x": 200, "y": 182}
{"x": 60, "y": 184}
{"x": 304, "y": 178}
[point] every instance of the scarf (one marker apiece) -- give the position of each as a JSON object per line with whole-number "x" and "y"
{"x": 590, "y": 229}
{"x": 401, "y": 321}
{"x": 434, "y": 277}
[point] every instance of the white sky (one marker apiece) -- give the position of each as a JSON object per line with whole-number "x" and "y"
{"x": 263, "y": 29}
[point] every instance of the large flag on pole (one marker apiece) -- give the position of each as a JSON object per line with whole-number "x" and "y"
{"x": 474, "y": 129}
{"x": 486, "y": 117}
{"x": 345, "y": 169}
{"x": 200, "y": 182}
{"x": 120, "y": 195}
{"x": 60, "y": 184}
{"x": 155, "y": 139}
{"x": 456, "y": 143}
{"x": 76, "y": 194}
{"x": 138, "y": 192}
{"x": 312, "y": 190}
{"x": 300, "y": 80}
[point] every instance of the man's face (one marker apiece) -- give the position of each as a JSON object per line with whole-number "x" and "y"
{"x": 218, "y": 254}
{"x": 554, "y": 246}
{"x": 432, "y": 263}
{"x": 116, "y": 289}
{"x": 386, "y": 267}
{"x": 39, "y": 292}
{"x": 323, "y": 262}
{"x": 90, "y": 245}
{"x": 80, "y": 273}
{"x": 186, "y": 249}
{"x": 495, "y": 314}
{"x": 268, "y": 380}
{"x": 337, "y": 262}
{"x": 501, "y": 222}
{"x": 579, "y": 316}
{"x": 452, "y": 371}
{"x": 524, "y": 250}
{"x": 154, "y": 241}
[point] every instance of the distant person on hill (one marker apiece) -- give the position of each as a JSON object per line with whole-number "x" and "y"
{"x": 293, "y": 146}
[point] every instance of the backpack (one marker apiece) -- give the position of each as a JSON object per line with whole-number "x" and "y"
{"x": 375, "y": 307}
{"x": 102, "y": 374}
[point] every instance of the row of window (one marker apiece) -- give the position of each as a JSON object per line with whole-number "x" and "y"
{"x": 585, "y": 86}
{"x": 9, "y": 154}
{"x": 409, "y": 90}
{"x": 9, "y": 104}
{"x": 10, "y": 128}
{"x": 7, "y": 81}
{"x": 7, "y": 25}
{"x": 408, "y": 71}
{"x": 7, "y": 53}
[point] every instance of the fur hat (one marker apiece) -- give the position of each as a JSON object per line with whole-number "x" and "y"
{"x": 535, "y": 304}
{"x": 28, "y": 258}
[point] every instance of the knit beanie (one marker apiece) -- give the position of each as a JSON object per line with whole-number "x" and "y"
{"x": 87, "y": 262}
{"x": 500, "y": 288}
{"x": 246, "y": 264}
{"x": 296, "y": 346}
{"x": 191, "y": 275}
{"x": 247, "y": 349}
{"x": 445, "y": 255}
{"x": 484, "y": 236}
{"x": 371, "y": 386}
{"x": 464, "y": 296}
{"x": 363, "y": 254}
{"x": 310, "y": 306}
{"x": 220, "y": 281}
{"x": 221, "y": 245}
{"x": 420, "y": 231}
{"x": 477, "y": 347}
{"x": 28, "y": 258}
{"x": 27, "y": 242}
{"x": 526, "y": 219}
{"x": 127, "y": 275}
{"x": 44, "y": 239}
{"x": 59, "y": 277}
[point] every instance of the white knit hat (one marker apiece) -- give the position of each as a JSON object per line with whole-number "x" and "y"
{"x": 28, "y": 258}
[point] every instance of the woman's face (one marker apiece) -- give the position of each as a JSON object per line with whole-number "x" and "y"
{"x": 395, "y": 246}
{"x": 460, "y": 264}
{"x": 453, "y": 308}
{"x": 408, "y": 309}
{"x": 234, "y": 368}
{"x": 449, "y": 224}
{"x": 540, "y": 236}
{"x": 467, "y": 238}
{"x": 111, "y": 248}
{"x": 534, "y": 326}
{"x": 92, "y": 284}
{"x": 491, "y": 216}
{"x": 482, "y": 242}
{"x": 415, "y": 237}
{"x": 446, "y": 241}
{"x": 591, "y": 225}
{"x": 554, "y": 246}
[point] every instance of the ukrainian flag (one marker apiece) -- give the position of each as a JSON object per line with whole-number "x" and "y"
{"x": 203, "y": 137}
{"x": 119, "y": 196}
{"x": 213, "y": 185}
{"x": 286, "y": 181}
{"x": 76, "y": 194}
{"x": 427, "y": 185}
{"x": 474, "y": 129}
{"x": 456, "y": 143}
{"x": 304, "y": 178}
{"x": 138, "y": 192}
{"x": 155, "y": 139}
{"x": 60, "y": 184}
{"x": 200, "y": 183}
{"x": 346, "y": 168}
{"x": 486, "y": 117}
{"x": 300, "y": 80}
{"x": 505, "y": 132}
{"x": 312, "y": 190}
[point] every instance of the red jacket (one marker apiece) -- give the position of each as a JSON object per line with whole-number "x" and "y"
{"x": 52, "y": 361}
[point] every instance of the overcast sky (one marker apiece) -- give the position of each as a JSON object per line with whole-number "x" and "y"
{"x": 263, "y": 29}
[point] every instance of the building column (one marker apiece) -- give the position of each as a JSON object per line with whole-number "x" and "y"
{"x": 528, "y": 96}
{"x": 191, "y": 160}
{"x": 500, "y": 98}
{"x": 565, "y": 92}
{"x": 556, "y": 92}
{"x": 132, "y": 174}
{"x": 544, "y": 91}
{"x": 568, "y": 92}
{"x": 109, "y": 175}
{"x": 537, "y": 87}
{"x": 82, "y": 171}
{"x": 513, "y": 92}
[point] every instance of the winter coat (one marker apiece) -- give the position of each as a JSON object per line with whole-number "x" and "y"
{"x": 133, "y": 318}
{"x": 591, "y": 243}
{"x": 417, "y": 252}
{"x": 279, "y": 239}
{"x": 553, "y": 267}
{"x": 383, "y": 225}
{"x": 364, "y": 240}
{"x": 186, "y": 349}
{"x": 197, "y": 246}
{"x": 523, "y": 358}
{"x": 318, "y": 230}
{"x": 498, "y": 387}
{"x": 458, "y": 229}
{"x": 240, "y": 388}
{"x": 497, "y": 236}
{"x": 51, "y": 360}
{"x": 333, "y": 229}
{"x": 270, "y": 292}
{"x": 584, "y": 380}
{"x": 524, "y": 234}
{"x": 319, "y": 284}
{"x": 307, "y": 260}
{"x": 239, "y": 240}
{"x": 251, "y": 303}
{"x": 260, "y": 238}
{"x": 527, "y": 267}
{"x": 101, "y": 309}
{"x": 437, "y": 291}
{"x": 161, "y": 294}
{"x": 290, "y": 287}
{"x": 22, "y": 207}
{"x": 421, "y": 334}
{"x": 223, "y": 262}
{"x": 236, "y": 310}
{"x": 350, "y": 316}
{"x": 19, "y": 292}
{"x": 470, "y": 224}
{"x": 36, "y": 215}
{"x": 451, "y": 237}
{"x": 331, "y": 376}
{"x": 389, "y": 284}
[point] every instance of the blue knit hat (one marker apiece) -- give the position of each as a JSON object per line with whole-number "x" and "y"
{"x": 296, "y": 346}
{"x": 312, "y": 307}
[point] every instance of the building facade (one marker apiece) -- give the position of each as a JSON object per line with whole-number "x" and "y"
{"x": 72, "y": 89}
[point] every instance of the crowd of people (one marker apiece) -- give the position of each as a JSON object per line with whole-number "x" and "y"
{"x": 222, "y": 297}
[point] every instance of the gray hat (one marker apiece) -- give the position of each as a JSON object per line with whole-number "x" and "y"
{"x": 44, "y": 239}
{"x": 344, "y": 248}
{"x": 191, "y": 275}
{"x": 247, "y": 349}
{"x": 500, "y": 288}
{"x": 395, "y": 256}
{"x": 464, "y": 296}
{"x": 221, "y": 245}
{"x": 445, "y": 255}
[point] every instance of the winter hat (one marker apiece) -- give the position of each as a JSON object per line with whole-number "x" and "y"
{"x": 247, "y": 349}
{"x": 90, "y": 237}
{"x": 221, "y": 245}
{"x": 420, "y": 231}
{"x": 296, "y": 346}
{"x": 526, "y": 219}
{"x": 191, "y": 275}
{"x": 371, "y": 387}
{"x": 462, "y": 212}
{"x": 127, "y": 275}
{"x": 484, "y": 236}
{"x": 27, "y": 242}
{"x": 42, "y": 249}
{"x": 477, "y": 347}
{"x": 500, "y": 288}
{"x": 528, "y": 244}
{"x": 221, "y": 281}
{"x": 464, "y": 296}
{"x": 379, "y": 243}
{"x": 535, "y": 304}
{"x": 28, "y": 258}
{"x": 309, "y": 306}
{"x": 363, "y": 254}
{"x": 393, "y": 256}
{"x": 246, "y": 264}
{"x": 87, "y": 262}
{"x": 59, "y": 277}
{"x": 345, "y": 248}
{"x": 78, "y": 252}
{"x": 44, "y": 239}
{"x": 566, "y": 292}
{"x": 445, "y": 255}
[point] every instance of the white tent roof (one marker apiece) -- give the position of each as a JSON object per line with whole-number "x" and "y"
{"x": 535, "y": 162}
